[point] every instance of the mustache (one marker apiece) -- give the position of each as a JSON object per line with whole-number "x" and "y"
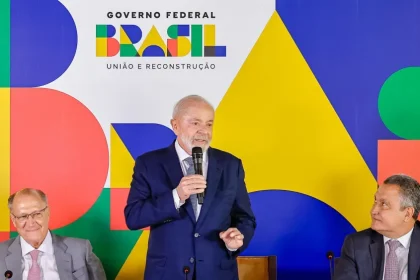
{"x": 201, "y": 138}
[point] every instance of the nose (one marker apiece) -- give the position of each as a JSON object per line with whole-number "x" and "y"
{"x": 30, "y": 220}
{"x": 375, "y": 210}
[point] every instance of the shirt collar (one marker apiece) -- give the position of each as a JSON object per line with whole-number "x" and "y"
{"x": 46, "y": 246}
{"x": 182, "y": 154}
{"x": 404, "y": 240}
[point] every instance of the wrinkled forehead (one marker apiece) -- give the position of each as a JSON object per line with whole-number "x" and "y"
{"x": 200, "y": 111}
{"x": 27, "y": 203}
{"x": 388, "y": 192}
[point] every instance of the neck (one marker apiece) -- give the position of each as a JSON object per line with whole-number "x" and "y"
{"x": 36, "y": 244}
{"x": 398, "y": 234}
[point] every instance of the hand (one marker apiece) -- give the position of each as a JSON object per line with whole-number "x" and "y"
{"x": 191, "y": 184}
{"x": 233, "y": 238}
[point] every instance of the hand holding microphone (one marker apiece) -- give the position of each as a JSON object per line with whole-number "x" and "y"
{"x": 191, "y": 184}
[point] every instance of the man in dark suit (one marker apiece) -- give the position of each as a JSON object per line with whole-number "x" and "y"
{"x": 390, "y": 249}
{"x": 188, "y": 240}
{"x": 37, "y": 253}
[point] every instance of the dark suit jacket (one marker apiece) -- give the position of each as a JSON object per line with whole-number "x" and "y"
{"x": 74, "y": 258}
{"x": 363, "y": 253}
{"x": 176, "y": 238}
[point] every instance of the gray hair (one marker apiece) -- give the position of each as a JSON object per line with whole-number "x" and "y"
{"x": 409, "y": 191}
{"x": 182, "y": 104}
{"x": 27, "y": 191}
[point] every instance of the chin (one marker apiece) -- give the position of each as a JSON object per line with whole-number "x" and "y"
{"x": 376, "y": 225}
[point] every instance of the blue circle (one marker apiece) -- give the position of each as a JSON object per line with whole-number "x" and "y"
{"x": 299, "y": 230}
{"x": 43, "y": 42}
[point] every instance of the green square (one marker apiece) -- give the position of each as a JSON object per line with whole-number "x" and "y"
{"x": 101, "y": 31}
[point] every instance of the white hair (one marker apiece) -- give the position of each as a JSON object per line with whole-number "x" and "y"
{"x": 182, "y": 104}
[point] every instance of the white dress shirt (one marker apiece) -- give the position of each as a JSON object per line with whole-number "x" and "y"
{"x": 402, "y": 254}
{"x": 46, "y": 259}
{"x": 182, "y": 155}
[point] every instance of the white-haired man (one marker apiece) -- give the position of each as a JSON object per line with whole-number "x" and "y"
{"x": 189, "y": 240}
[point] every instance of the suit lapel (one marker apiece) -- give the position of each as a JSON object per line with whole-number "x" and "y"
{"x": 414, "y": 253}
{"x": 62, "y": 258}
{"x": 173, "y": 169}
{"x": 14, "y": 259}
{"x": 377, "y": 254}
{"x": 213, "y": 176}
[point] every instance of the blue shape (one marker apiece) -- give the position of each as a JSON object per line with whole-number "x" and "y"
{"x": 110, "y": 32}
{"x": 43, "y": 42}
{"x": 140, "y": 138}
{"x": 183, "y": 30}
{"x": 153, "y": 51}
{"x": 352, "y": 47}
{"x": 299, "y": 230}
{"x": 133, "y": 32}
{"x": 220, "y": 51}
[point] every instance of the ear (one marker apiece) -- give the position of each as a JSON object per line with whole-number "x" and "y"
{"x": 409, "y": 214}
{"x": 174, "y": 124}
{"x": 13, "y": 220}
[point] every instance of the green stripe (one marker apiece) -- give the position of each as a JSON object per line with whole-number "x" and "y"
{"x": 197, "y": 40}
{"x": 4, "y": 43}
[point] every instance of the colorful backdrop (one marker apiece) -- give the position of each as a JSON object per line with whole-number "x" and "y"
{"x": 318, "y": 98}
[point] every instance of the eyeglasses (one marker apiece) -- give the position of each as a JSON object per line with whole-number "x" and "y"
{"x": 35, "y": 215}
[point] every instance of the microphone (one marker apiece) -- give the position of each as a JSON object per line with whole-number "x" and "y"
{"x": 8, "y": 274}
{"x": 197, "y": 156}
{"x": 186, "y": 270}
{"x": 330, "y": 257}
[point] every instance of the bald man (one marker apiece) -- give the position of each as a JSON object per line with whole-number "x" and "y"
{"x": 39, "y": 254}
{"x": 189, "y": 240}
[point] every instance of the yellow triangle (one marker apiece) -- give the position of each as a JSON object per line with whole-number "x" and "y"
{"x": 122, "y": 163}
{"x": 134, "y": 265}
{"x": 4, "y": 158}
{"x": 277, "y": 119}
{"x": 153, "y": 38}
{"x": 124, "y": 38}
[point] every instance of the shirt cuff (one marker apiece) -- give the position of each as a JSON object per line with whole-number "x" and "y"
{"x": 177, "y": 201}
{"x": 232, "y": 250}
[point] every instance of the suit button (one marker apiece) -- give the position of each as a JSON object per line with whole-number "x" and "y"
{"x": 196, "y": 234}
{"x": 192, "y": 260}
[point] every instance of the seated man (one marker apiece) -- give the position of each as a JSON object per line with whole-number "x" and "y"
{"x": 390, "y": 249}
{"x": 39, "y": 254}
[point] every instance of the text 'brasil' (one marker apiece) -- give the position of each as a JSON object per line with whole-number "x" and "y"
{"x": 195, "y": 40}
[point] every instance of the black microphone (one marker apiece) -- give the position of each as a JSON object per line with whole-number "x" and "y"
{"x": 8, "y": 274}
{"x": 330, "y": 257}
{"x": 197, "y": 155}
{"x": 186, "y": 270}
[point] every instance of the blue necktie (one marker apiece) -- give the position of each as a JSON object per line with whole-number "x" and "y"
{"x": 193, "y": 197}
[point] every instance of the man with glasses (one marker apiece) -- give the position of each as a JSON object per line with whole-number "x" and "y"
{"x": 39, "y": 254}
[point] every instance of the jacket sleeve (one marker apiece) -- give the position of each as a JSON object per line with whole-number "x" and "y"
{"x": 242, "y": 215}
{"x": 143, "y": 209}
{"x": 94, "y": 265}
{"x": 346, "y": 268}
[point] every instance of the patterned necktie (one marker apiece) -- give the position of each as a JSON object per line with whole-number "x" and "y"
{"x": 193, "y": 197}
{"x": 35, "y": 270}
{"x": 391, "y": 266}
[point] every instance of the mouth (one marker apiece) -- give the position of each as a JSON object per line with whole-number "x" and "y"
{"x": 32, "y": 230}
